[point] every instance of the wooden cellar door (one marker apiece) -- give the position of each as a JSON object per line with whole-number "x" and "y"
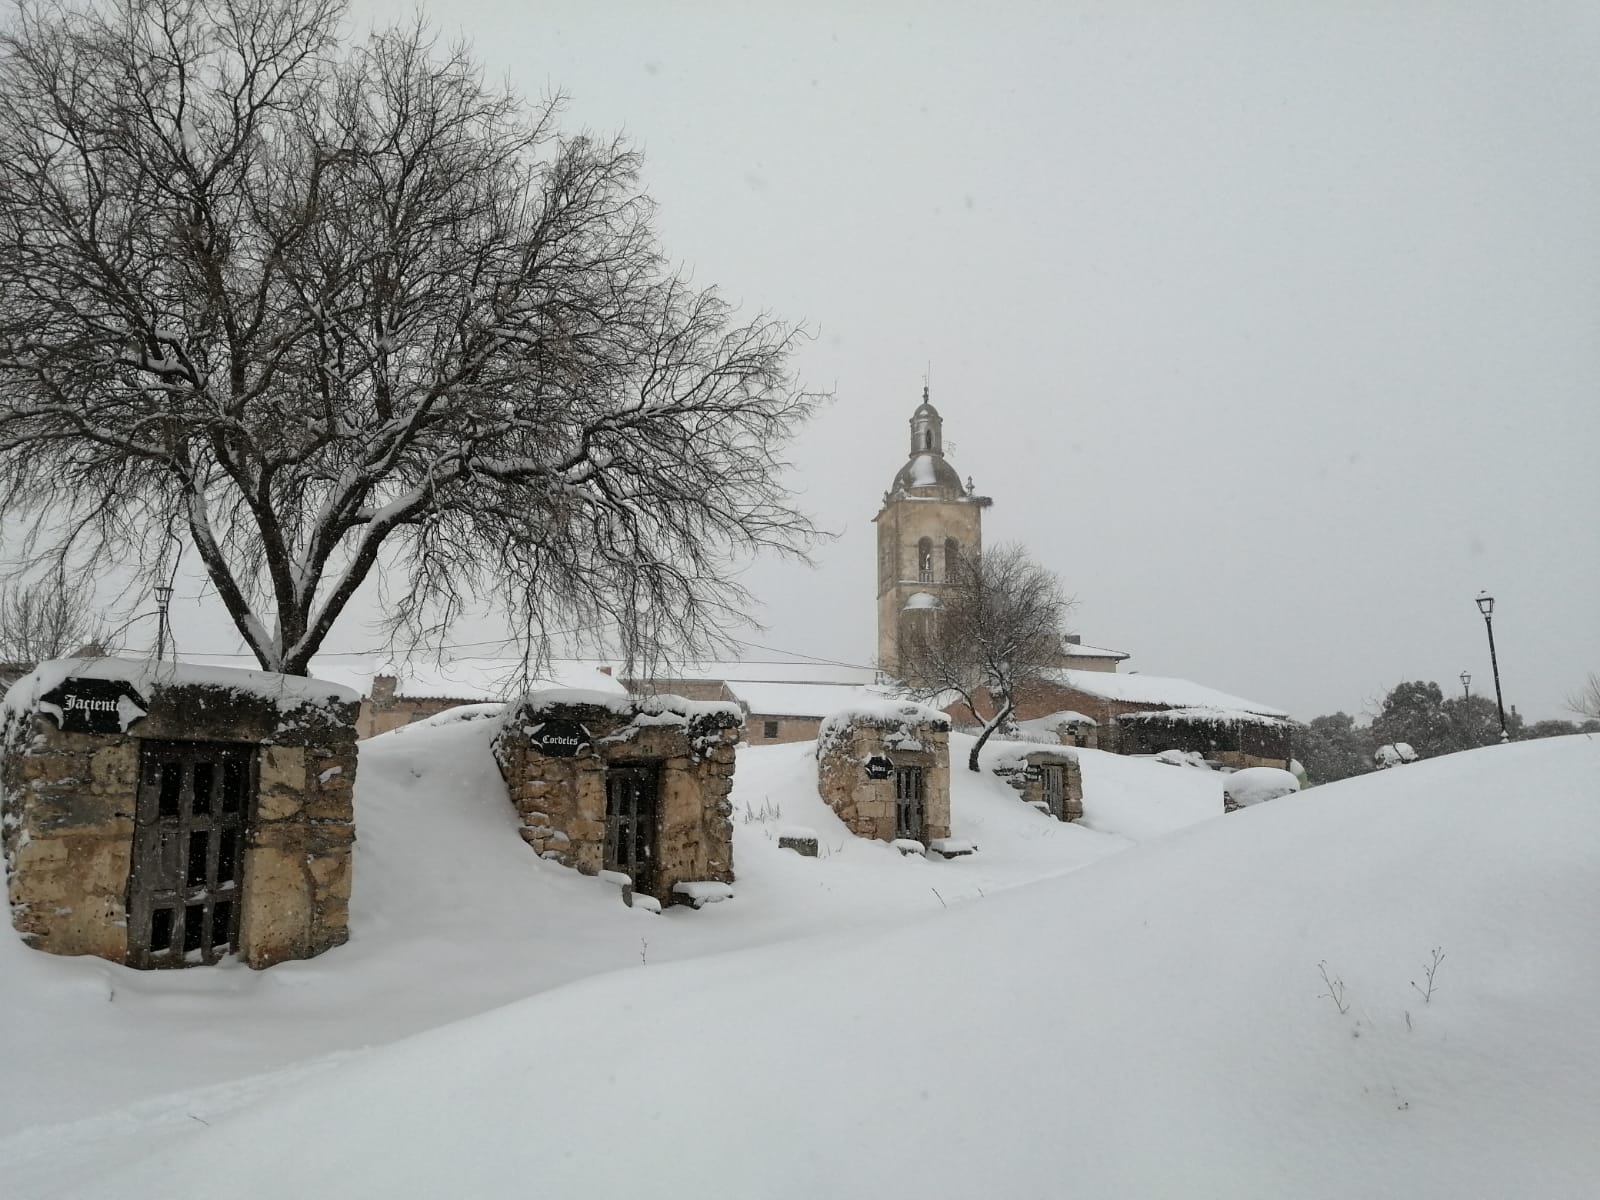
{"x": 188, "y": 852}
{"x": 909, "y": 818}
{"x": 1052, "y": 779}
{"x": 633, "y": 824}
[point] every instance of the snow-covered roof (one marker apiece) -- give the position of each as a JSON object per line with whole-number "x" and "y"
{"x": 922, "y": 600}
{"x": 1156, "y": 689}
{"x": 883, "y": 712}
{"x": 1213, "y": 715}
{"x": 768, "y": 672}
{"x": 1050, "y": 722}
{"x": 147, "y": 675}
{"x": 424, "y": 678}
{"x": 664, "y": 708}
{"x": 802, "y": 699}
{"x": 495, "y": 678}
{"x": 927, "y": 470}
{"x": 1080, "y": 650}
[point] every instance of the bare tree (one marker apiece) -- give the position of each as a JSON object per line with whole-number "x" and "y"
{"x": 316, "y": 311}
{"x": 47, "y": 620}
{"x": 996, "y": 632}
{"x": 1586, "y": 700}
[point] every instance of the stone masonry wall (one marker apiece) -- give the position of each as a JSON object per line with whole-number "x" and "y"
{"x": 867, "y": 806}
{"x": 562, "y": 801}
{"x": 1024, "y": 772}
{"x": 69, "y": 801}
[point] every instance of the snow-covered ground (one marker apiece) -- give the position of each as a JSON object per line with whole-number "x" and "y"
{"x": 1133, "y": 1007}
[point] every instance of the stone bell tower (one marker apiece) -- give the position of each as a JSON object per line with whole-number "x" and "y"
{"x": 928, "y": 518}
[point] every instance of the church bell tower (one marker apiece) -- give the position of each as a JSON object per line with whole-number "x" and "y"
{"x": 928, "y": 519}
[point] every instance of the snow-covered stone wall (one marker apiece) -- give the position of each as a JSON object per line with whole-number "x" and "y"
{"x": 159, "y": 815}
{"x": 1048, "y": 779}
{"x": 862, "y": 756}
{"x": 557, "y": 751}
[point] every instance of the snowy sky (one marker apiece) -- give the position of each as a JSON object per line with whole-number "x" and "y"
{"x": 1274, "y": 328}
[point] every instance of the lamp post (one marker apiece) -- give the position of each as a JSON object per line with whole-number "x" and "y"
{"x": 163, "y": 598}
{"x": 1486, "y": 607}
{"x": 1466, "y": 685}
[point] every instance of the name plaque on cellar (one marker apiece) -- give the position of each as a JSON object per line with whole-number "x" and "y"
{"x": 561, "y": 739}
{"x": 879, "y": 767}
{"x": 93, "y": 705}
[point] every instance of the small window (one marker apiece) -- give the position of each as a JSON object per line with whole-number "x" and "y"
{"x": 925, "y": 560}
{"x": 769, "y": 729}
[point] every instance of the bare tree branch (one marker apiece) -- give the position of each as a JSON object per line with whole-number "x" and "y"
{"x": 996, "y": 633}
{"x": 330, "y": 313}
{"x": 1586, "y": 700}
{"x": 45, "y": 620}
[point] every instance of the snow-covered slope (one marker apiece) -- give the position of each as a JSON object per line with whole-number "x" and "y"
{"x": 452, "y": 915}
{"x": 1155, "y": 1024}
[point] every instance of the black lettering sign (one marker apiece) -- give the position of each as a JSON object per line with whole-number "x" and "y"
{"x": 93, "y": 705}
{"x": 879, "y": 767}
{"x": 561, "y": 739}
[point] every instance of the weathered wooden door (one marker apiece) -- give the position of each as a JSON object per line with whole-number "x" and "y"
{"x": 193, "y": 806}
{"x": 633, "y": 818}
{"x": 909, "y": 817}
{"x": 1052, "y": 780}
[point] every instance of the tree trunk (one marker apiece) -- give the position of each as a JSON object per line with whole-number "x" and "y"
{"x": 977, "y": 746}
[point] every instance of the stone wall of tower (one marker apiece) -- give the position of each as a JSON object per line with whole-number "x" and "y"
{"x": 903, "y": 523}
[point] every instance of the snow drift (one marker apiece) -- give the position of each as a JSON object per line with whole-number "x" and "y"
{"x": 1237, "y": 1009}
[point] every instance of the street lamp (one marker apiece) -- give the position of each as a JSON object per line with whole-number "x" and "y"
{"x": 163, "y": 598}
{"x": 1466, "y": 685}
{"x": 1486, "y": 607}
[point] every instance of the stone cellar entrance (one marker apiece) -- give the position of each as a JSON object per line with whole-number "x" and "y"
{"x": 884, "y": 768}
{"x": 1049, "y": 779}
{"x": 633, "y": 823}
{"x": 910, "y": 812}
{"x": 636, "y": 785}
{"x": 161, "y": 815}
{"x": 194, "y": 801}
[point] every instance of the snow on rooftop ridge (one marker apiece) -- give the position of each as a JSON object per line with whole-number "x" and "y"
{"x": 886, "y": 713}
{"x": 482, "y": 679}
{"x": 658, "y": 705}
{"x": 764, "y": 671}
{"x": 1082, "y": 650}
{"x": 1011, "y": 754}
{"x": 1215, "y": 716}
{"x": 802, "y": 699}
{"x": 1156, "y": 689}
{"x": 1052, "y": 721}
{"x": 149, "y": 675}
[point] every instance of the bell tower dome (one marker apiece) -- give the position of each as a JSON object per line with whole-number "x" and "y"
{"x": 929, "y": 519}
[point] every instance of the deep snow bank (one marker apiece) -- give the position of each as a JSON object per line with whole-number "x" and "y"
{"x": 1156, "y": 1024}
{"x": 452, "y": 915}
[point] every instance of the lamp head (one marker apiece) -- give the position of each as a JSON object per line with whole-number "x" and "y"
{"x": 1485, "y": 603}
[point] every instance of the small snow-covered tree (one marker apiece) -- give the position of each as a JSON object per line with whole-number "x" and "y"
{"x": 996, "y": 633}
{"x": 321, "y": 310}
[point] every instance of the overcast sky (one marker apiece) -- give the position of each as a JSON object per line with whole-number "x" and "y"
{"x": 1273, "y": 328}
